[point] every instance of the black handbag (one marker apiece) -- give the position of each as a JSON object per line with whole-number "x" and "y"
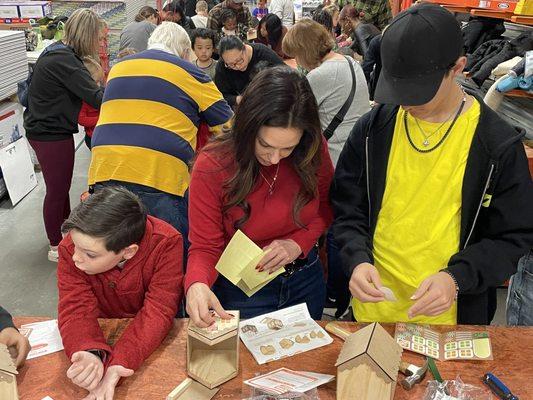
{"x": 337, "y": 119}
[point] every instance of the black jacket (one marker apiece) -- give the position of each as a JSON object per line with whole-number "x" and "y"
{"x": 5, "y": 320}
{"x": 232, "y": 83}
{"x": 480, "y": 30}
{"x": 372, "y": 64}
{"x": 494, "y": 234}
{"x": 59, "y": 84}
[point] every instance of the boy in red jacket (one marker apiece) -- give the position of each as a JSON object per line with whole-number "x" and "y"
{"x": 115, "y": 262}
{"x": 88, "y": 116}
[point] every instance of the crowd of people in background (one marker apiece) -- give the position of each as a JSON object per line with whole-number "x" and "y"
{"x": 215, "y": 118}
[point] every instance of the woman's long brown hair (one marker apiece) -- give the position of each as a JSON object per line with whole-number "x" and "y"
{"x": 276, "y": 97}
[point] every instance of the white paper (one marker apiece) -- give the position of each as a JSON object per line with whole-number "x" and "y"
{"x": 284, "y": 380}
{"x": 17, "y": 168}
{"x": 282, "y": 333}
{"x": 44, "y": 338}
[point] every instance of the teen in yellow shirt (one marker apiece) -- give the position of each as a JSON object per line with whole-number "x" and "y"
{"x": 431, "y": 199}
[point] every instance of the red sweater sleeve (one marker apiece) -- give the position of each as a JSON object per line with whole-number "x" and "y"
{"x": 206, "y": 230}
{"x": 88, "y": 117}
{"x": 153, "y": 322}
{"x": 78, "y": 307}
{"x": 307, "y": 237}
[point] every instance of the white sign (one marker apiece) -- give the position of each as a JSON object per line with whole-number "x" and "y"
{"x": 17, "y": 168}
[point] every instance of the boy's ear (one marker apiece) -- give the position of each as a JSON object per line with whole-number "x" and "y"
{"x": 130, "y": 251}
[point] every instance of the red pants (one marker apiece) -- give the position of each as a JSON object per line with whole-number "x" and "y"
{"x": 57, "y": 163}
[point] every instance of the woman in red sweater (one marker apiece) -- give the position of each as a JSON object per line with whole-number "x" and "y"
{"x": 269, "y": 177}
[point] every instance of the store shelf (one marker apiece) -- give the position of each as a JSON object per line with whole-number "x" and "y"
{"x": 466, "y": 8}
{"x": 519, "y": 93}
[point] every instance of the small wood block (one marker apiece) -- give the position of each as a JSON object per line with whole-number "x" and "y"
{"x": 191, "y": 390}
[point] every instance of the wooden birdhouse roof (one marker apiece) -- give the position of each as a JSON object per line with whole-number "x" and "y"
{"x": 374, "y": 341}
{"x": 6, "y": 362}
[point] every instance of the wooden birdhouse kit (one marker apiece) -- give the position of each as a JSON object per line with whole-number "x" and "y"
{"x": 367, "y": 367}
{"x": 213, "y": 353}
{"x": 8, "y": 375}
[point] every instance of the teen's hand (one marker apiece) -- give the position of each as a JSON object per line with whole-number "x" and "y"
{"x": 434, "y": 296}
{"x": 200, "y": 300}
{"x": 364, "y": 283}
{"x": 86, "y": 370}
{"x": 106, "y": 389}
{"x": 279, "y": 253}
{"x": 238, "y": 100}
{"x": 18, "y": 345}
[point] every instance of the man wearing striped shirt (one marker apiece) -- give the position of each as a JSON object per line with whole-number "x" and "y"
{"x": 146, "y": 136}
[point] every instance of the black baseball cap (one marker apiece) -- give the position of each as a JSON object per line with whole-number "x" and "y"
{"x": 417, "y": 48}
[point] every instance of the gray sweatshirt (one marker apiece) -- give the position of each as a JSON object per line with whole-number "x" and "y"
{"x": 136, "y": 34}
{"x": 331, "y": 83}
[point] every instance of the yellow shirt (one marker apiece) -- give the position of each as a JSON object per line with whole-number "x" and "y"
{"x": 418, "y": 227}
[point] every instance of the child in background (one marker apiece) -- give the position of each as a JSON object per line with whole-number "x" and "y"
{"x": 115, "y": 262}
{"x": 228, "y": 18}
{"x": 88, "y": 116}
{"x": 261, "y": 10}
{"x": 203, "y": 44}
{"x": 200, "y": 19}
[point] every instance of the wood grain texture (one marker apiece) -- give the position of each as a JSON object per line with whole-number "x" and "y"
{"x": 166, "y": 368}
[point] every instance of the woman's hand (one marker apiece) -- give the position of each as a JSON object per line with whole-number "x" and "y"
{"x": 18, "y": 345}
{"x": 279, "y": 253}
{"x": 200, "y": 300}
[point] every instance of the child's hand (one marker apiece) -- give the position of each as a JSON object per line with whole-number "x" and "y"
{"x": 106, "y": 389}
{"x": 86, "y": 370}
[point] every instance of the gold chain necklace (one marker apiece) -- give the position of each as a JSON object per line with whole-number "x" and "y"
{"x": 271, "y": 185}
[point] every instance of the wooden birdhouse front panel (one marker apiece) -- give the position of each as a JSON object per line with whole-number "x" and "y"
{"x": 362, "y": 379}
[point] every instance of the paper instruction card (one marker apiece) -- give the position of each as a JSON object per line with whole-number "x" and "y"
{"x": 238, "y": 262}
{"x": 284, "y": 380}
{"x": 453, "y": 345}
{"x": 44, "y": 338}
{"x": 282, "y": 333}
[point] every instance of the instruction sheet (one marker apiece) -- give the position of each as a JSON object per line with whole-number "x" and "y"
{"x": 238, "y": 262}
{"x": 44, "y": 338}
{"x": 282, "y": 333}
{"x": 284, "y": 380}
{"x": 453, "y": 345}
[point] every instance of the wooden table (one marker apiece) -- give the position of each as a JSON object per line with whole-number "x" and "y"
{"x": 165, "y": 369}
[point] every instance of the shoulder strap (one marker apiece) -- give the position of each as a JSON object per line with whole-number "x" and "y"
{"x": 337, "y": 119}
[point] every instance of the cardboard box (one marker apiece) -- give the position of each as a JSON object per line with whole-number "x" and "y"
{"x": 9, "y": 11}
{"x": 34, "y": 9}
{"x": 13, "y": 12}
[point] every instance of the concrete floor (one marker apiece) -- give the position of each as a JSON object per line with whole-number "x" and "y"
{"x": 27, "y": 278}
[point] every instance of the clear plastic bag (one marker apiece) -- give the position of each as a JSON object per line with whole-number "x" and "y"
{"x": 257, "y": 394}
{"x": 455, "y": 390}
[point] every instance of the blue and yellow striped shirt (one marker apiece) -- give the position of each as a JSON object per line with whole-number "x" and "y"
{"x": 152, "y": 107}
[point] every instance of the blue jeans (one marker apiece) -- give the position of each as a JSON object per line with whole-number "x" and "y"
{"x": 520, "y": 298}
{"x": 338, "y": 283}
{"x": 168, "y": 207}
{"x": 304, "y": 286}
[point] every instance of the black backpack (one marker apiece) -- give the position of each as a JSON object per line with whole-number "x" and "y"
{"x": 23, "y": 87}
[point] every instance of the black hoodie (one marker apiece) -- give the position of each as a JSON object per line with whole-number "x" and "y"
{"x": 5, "y": 320}
{"x": 496, "y": 211}
{"x": 59, "y": 83}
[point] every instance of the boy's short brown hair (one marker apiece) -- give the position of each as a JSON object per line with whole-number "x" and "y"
{"x": 308, "y": 41}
